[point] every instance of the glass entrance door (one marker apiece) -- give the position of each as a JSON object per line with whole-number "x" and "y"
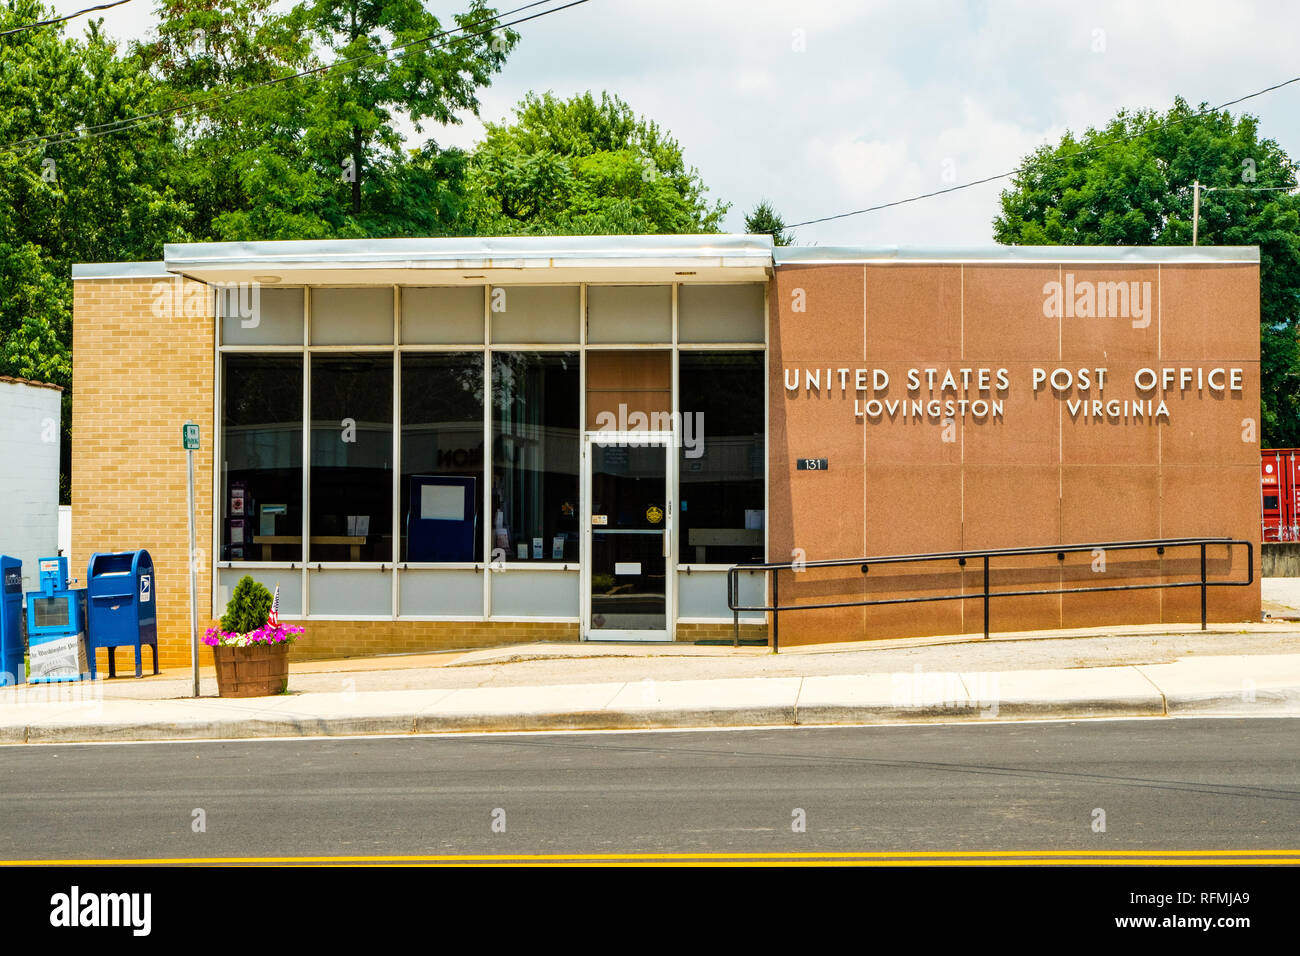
{"x": 629, "y": 516}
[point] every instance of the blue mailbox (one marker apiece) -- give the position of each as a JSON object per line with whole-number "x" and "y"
{"x": 122, "y": 609}
{"x": 11, "y": 620}
{"x": 440, "y": 523}
{"x": 56, "y": 626}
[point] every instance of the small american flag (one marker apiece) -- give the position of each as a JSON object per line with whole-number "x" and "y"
{"x": 273, "y": 619}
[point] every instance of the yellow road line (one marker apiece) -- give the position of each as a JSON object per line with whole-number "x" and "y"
{"x": 857, "y": 863}
{"x": 920, "y": 857}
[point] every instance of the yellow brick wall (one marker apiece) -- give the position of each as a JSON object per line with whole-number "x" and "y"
{"x": 720, "y": 632}
{"x": 141, "y": 367}
{"x": 331, "y": 639}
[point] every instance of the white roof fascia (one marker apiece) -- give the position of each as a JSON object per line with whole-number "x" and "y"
{"x": 1132, "y": 255}
{"x": 120, "y": 270}
{"x": 474, "y": 253}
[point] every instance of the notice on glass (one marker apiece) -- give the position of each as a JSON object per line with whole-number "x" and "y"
{"x": 442, "y": 503}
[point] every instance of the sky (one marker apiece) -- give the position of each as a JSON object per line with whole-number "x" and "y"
{"x": 826, "y": 106}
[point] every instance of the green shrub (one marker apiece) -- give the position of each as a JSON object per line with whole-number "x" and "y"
{"x": 248, "y": 608}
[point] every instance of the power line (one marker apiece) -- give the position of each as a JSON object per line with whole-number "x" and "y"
{"x": 1054, "y": 160}
{"x": 70, "y": 16}
{"x": 117, "y": 126}
{"x": 1248, "y": 189}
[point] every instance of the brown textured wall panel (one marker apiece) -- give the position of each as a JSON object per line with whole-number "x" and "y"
{"x": 1110, "y": 569}
{"x": 1219, "y": 501}
{"x": 816, "y": 321}
{"x": 1018, "y": 612}
{"x": 1210, "y": 313}
{"x": 911, "y": 509}
{"x": 1206, "y": 425}
{"x": 914, "y": 310}
{"x": 1011, "y": 507}
{"x": 1055, "y": 467}
{"x": 1130, "y": 436}
{"x": 929, "y": 579}
{"x": 1027, "y": 434}
{"x": 1129, "y": 329}
{"x": 1002, "y": 315}
{"x": 1105, "y": 502}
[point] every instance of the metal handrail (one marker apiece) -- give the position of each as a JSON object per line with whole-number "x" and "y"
{"x": 962, "y": 557}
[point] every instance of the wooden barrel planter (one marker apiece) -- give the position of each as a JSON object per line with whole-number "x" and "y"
{"x": 260, "y": 670}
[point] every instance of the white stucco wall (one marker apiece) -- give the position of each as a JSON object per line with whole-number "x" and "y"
{"x": 29, "y": 474}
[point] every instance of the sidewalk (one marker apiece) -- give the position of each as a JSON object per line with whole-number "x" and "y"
{"x": 1281, "y": 598}
{"x": 1151, "y": 671}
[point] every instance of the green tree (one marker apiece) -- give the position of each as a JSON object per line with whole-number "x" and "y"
{"x": 1130, "y": 183}
{"x": 231, "y": 150}
{"x": 583, "y": 167}
{"x": 321, "y": 155}
{"x": 765, "y": 220}
{"x": 70, "y": 198}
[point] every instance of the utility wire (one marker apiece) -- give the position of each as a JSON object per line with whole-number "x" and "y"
{"x": 213, "y": 99}
{"x": 1054, "y": 160}
{"x": 70, "y": 16}
{"x": 130, "y": 122}
{"x": 1248, "y": 189}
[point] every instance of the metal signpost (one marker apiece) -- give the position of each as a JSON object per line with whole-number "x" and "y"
{"x": 190, "y": 442}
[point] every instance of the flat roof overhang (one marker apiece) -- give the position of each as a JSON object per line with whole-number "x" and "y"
{"x": 538, "y": 260}
{"x": 519, "y": 260}
{"x": 1013, "y": 255}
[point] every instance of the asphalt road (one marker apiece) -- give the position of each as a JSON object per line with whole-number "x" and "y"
{"x": 1162, "y": 784}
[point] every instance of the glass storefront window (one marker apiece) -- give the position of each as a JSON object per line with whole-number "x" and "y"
{"x": 629, "y": 313}
{"x": 352, "y": 316}
{"x": 535, "y": 454}
{"x": 535, "y": 314}
{"x": 442, "y": 456}
{"x": 351, "y": 457}
{"x": 261, "y": 445}
{"x": 254, "y": 314}
{"x": 466, "y": 493}
{"x": 722, "y": 455}
{"x": 720, "y": 313}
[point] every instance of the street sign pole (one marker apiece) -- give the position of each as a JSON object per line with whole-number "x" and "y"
{"x": 190, "y": 441}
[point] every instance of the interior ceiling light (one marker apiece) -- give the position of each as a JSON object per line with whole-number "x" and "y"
{"x": 266, "y": 280}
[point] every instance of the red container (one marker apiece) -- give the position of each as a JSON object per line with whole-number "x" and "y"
{"x": 1279, "y": 483}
